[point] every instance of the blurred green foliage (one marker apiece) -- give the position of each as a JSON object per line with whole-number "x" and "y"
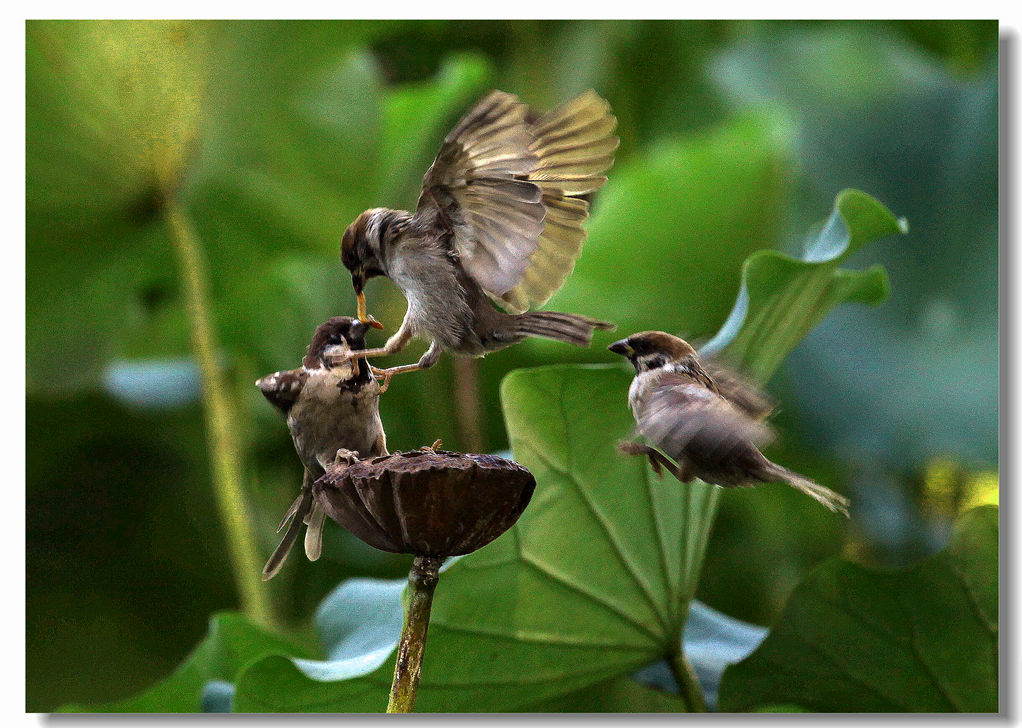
{"x": 735, "y": 135}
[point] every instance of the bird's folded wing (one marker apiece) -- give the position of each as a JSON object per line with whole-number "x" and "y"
{"x": 682, "y": 417}
{"x": 478, "y": 189}
{"x": 575, "y": 146}
{"x": 281, "y": 389}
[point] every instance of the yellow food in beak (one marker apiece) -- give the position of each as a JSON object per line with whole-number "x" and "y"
{"x": 363, "y": 315}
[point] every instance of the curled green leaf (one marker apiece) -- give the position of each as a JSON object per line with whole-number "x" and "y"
{"x": 782, "y": 297}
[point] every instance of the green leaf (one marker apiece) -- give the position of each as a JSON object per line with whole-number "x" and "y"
{"x": 360, "y": 621}
{"x": 231, "y": 643}
{"x": 922, "y": 136}
{"x": 854, "y": 639}
{"x": 114, "y": 110}
{"x": 617, "y": 695}
{"x": 782, "y": 298}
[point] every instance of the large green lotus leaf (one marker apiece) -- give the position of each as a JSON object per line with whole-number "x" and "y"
{"x": 231, "y": 643}
{"x": 854, "y": 639}
{"x": 114, "y": 110}
{"x": 617, "y": 695}
{"x": 359, "y": 624}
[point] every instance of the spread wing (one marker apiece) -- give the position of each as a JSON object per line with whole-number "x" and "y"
{"x": 575, "y": 144}
{"x": 478, "y": 189}
{"x": 681, "y": 417}
{"x": 509, "y": 192}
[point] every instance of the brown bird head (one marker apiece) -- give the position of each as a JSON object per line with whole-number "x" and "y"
{"x": 342, "y": 331}
{"x": 364, "y": 249}
{"x": 653, "y": 349}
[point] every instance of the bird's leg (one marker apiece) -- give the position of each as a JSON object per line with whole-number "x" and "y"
{"x": 658, "y": 461}
{"x": 427, "y": 360}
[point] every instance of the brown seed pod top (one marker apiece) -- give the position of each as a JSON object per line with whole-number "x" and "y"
{"x": 426, "y": 502}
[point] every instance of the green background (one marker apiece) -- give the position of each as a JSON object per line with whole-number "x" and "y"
{"x": 736, "y": 136}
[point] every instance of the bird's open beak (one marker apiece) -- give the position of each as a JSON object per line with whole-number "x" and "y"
{"x": 358, "y": 282}
{"x": 621, "y": 347}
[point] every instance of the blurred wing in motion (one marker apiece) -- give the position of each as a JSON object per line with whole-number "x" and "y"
{"x": 738, "y": 390}
{"x": 509, "y": 191}
{"x": 686, "y": 419}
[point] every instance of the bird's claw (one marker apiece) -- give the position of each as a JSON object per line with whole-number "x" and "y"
{"x": 431, "y": 448}
{"x": 383, "y": 374}
{"x": 637, "y": 448}
{"x": 345, "y": 457}
{"x": 336, "y": 359}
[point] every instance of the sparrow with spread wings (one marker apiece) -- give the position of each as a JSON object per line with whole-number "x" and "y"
{"x": 706, "y": 419}
{"x": 499, "y": 220}
{"x": 331, "y": 404}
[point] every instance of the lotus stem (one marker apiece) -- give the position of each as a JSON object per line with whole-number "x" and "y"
{"x": 221, "y": 430}
{"x": 688, "y": 684}
{"x": 422, "y": 580}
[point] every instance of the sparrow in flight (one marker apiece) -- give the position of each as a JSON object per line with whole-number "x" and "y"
{"x": 704, "y": 419}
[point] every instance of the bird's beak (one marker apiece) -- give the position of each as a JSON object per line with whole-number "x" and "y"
{"x": 358, "y": 282}
{"x": 621, "y": 347}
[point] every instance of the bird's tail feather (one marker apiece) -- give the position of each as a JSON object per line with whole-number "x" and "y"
{"x": 567, "y": 327}
{"x": 834, "y": 501}
{"x": 314, "y": 533}
{"x": 298, "y": 511}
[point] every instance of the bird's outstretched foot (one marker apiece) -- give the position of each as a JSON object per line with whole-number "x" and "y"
{"x": 658, "y": 461}
{"x": 386, "y": 374}
{"x": 431, "y": 448}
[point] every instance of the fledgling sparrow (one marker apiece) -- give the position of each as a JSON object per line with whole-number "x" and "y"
{"x": 710, "y": 426}
{"x": 329, "y": 407}
{"x": 499, "y": 220}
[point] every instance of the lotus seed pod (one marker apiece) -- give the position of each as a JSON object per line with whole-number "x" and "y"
{"x": 426, "y": 502}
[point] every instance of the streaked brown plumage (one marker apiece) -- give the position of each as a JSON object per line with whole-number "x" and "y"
{"x": 329, "y": 408}
{"x": 499, "y": 221}
{"x": 710, "y": 426}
